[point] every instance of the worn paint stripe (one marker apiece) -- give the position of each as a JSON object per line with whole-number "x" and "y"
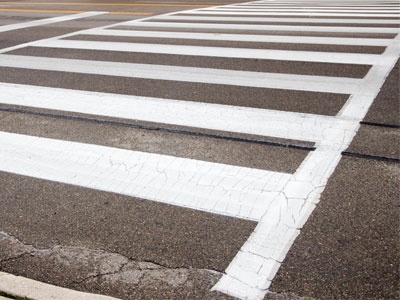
{"x": 186, "y": 74}
{"x": 242, "y": 37}
{"x": 241, "y": 192}
{"x": 327, "y": 57}
{"x": 265, "y": 27}
{"x": 48, "y": 21}
{"x": 264, "y": 122}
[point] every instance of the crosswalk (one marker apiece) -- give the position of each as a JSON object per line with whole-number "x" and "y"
{"x": 353, "y": 35}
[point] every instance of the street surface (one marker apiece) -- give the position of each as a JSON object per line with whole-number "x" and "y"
{"x": 201, "y": 149}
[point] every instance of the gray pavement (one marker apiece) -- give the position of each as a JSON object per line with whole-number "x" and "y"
{"x": 349, "y": 247}
{"x": 141, "y": 187}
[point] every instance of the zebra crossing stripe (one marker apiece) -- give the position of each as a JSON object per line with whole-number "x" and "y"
{"x": 241, "y": 192}
{"x": 266, "y": 27}
{"x": 306, "y": 56}
{"x": 277, "y": 20}
{"x": 350, "y": 7}
{"x": 49, "y": 21}
{"x": 184, "y": 74}
{"x": 305, "y": 14}
{"x": 249, "y": 120}
{"x": 359, "y": 10}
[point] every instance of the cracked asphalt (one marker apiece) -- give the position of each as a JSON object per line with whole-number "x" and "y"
{"x": 128, "y": 247}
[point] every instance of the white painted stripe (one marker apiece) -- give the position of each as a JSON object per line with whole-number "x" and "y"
{"x": 265, "y": 27}
{"x": 248, "y": 120}
{"x": 281, "y": 20}
{"x": 255, "y": 13}
{"x": 317, "y": 4}
{"x": 242, "y": 37}
{"x": 305, "y": 9}
{"x": 49, "y": 21}
{"x": 368, "y": 8}
{"x": 217, "y": 188}
{"x": 328, "y": 57}
{"x": 184, "y": 74}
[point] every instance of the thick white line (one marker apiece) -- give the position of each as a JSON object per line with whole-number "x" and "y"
{"x": 248, "y": 120}
{"x": 285, "y": 55}
{"x": 49, "y": 21}
{"x": 242, "y": 37}
{"x": 257, "y": 13}
{"x": 184, "y": 74}
{"x": 266, "y": 27}
{"x": 282, "y": 20}
{"x": 370, "y": 7}
{"x": 241, "y": 192}
{"x": 305, "y": 9}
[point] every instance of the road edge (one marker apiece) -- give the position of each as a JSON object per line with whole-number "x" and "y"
{"x": 19, "y": 286}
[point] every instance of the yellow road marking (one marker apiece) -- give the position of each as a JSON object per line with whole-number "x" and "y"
{"x": 72, "y": 11}
{"x": 103, "y": 4}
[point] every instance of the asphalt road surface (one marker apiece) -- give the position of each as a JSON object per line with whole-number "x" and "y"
{"x": 201, "y": 149}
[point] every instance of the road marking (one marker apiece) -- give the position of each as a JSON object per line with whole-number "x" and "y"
{"x": 217, "y": 188}
{"x": 352, "y": 7}
{"x": 104, "y": 4}
{"x": 256, "y": 13}
{"x": 242, "y": 37}
{"x": 307, "y": 56}
{"x": 264, "y": 122}
{"x": 278, "y": 20}
{"x": 234, "y": 8}
{"x": 326, "y": 84}
{"x": 48, "y": 21}
{"x": 347, "y": 29}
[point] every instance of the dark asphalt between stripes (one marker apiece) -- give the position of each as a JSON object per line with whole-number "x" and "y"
{"x": 386, "y": 107}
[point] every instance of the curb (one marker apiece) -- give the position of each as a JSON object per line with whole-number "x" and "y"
{"x": 34, "y": 290}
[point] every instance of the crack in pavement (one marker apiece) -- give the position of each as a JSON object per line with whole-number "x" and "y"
{"x": 81, "y": 267}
